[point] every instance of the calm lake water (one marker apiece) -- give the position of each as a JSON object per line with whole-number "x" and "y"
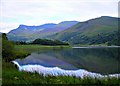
{"x": 98, "y": 60}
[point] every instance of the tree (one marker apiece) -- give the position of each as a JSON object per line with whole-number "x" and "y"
{"x": 7, "y": 48}
{"x": 48, "y": 42}
{"x": 108, "y": 44}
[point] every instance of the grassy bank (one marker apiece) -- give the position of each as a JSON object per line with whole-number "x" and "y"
{"x": 87, "y": 45}
{"x": 30, "y": 48}
{"x": 22, "y": 51}
{"x": 11, "y": 75}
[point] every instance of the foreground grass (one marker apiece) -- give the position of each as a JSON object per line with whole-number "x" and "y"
{"x": 12, "y": 76}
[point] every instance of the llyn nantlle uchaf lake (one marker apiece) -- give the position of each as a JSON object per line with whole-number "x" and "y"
{"x": 102, "y": 60}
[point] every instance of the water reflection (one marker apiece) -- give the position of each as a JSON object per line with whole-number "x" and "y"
{"x": 46, "y": 60}
{"x": 99, "y": 60}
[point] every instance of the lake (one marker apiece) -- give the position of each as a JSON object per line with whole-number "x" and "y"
{"x": 101, "y": 60}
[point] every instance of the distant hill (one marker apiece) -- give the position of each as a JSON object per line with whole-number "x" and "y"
{"x": 27, "y": 33}
{"x": 94, "y": 31}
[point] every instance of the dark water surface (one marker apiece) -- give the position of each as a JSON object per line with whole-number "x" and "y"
{"x": 99, "y": 60}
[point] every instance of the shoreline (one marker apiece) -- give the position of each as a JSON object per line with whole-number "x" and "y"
{"x": 96, "y": 47}
{"x": 56, "y": 71}
{"x": 28, "y": 78}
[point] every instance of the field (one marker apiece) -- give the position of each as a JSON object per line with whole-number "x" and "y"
{"x": 30, "y": 48}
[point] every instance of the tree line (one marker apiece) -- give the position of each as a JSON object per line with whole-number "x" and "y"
{"x": 36, "y": 41}
{"x": 43, "y": 42}
{"x": 48, "y": 42}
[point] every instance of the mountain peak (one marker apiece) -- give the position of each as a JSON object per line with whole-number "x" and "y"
{"x": 107, "y": 17}
{"x": 68, "y": 22}
{"x": 21, "y": 25}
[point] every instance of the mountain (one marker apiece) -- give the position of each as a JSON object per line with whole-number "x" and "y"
{"x": 101, "y": 30}
{"x": 94, "y": 31}
{"x": 27, "y": 33}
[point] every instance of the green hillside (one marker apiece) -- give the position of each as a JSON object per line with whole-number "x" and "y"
{"x": 95, "y": 31}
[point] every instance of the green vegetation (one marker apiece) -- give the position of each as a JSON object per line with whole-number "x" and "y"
{"x": 48, "y": 42}
{"x": 11, "y": 76}
{"x": 100, "y": 39}
{"x": 31, "y": 48}
{"x": 85, "y": 45}
{"x": 8, "y": 51}
{"x": 111, "y": 38}
{"x": 42, "y": 42}
{"x": 103, "y": 30}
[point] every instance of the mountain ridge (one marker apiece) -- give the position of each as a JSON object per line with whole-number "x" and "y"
{"x": 102, "y": 29}
{"x": 31, "y": 32}
{"x": 95, "y": 30}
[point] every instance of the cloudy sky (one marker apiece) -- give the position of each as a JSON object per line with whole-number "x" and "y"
{"x": 37, "y": 12}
